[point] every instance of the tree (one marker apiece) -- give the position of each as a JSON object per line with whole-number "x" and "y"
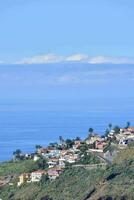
{"x": 17, "y": 155}
{"x": 116, "y": 129}
{"x": 38, "y": 147}
{"x": 84, "y": 148}
{"x": 53, "y": 144}
{"x": 44, "y": 178}
{"x": 61, "y": 139}
{"x": 106, "y": 132}
{"x": 91, "y": 130}
{"x": 17, "y": 152}
{"x": 127, "y": 125}
{"x": 89, "y": 158}
{"x": 110, "y": 126}
{"x": 69, "y": 143}
{"x": 77, "y": 138}
{"x": 42, "y": 163}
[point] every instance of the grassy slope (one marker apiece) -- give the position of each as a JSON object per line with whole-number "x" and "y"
{"x": 11, "y": 168}
{"x": 73, "y": 184}
{"x": 77, "y": 183}
{"x": 119, "y": 178}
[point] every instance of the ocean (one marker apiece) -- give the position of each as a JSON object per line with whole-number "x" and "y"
{"x": 38, "y": 103}
{"x": 26, "y": 124}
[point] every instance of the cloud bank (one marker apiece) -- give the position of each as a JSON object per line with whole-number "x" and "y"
{"x": 52, "y": 58}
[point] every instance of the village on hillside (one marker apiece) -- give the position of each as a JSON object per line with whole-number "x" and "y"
{"x": 93, "y": 151}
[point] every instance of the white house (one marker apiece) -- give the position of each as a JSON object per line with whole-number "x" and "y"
{"x": 36, "y": 157}
{"x": 37, "y": 175}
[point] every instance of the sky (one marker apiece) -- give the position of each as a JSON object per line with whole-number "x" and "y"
{"x": 42, "y": 31}
{"x": 65, "y": 49}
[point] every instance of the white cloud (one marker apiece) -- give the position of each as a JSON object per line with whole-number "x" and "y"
{"x": 112, "y": 60}
{"x": 48, "y": 58}
{"x": 77, "y": 58}
{"x": 52, "y": 58}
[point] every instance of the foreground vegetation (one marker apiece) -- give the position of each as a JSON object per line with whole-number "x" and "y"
{"x": 116, "y": 182}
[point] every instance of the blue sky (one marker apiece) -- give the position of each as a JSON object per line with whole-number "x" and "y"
{"x": 69, "y": 38}
{"x": 32, "y": 28}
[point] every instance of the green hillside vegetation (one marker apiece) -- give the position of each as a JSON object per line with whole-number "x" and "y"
{"x": 10, "y": 168}
{"x": 118, "y": 180}
{"x": 74, "y": 183}
{"x": 88, "y": 158}
{"x": 16, "y": 168}
{"x": 114, "y": 183}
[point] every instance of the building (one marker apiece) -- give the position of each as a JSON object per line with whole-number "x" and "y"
{"x": 23, "y": 178}
{"x": 126, "y": 141}
{"x": 77, "y": 144}
{"x": 131, "y": 129}
{"x": 36, "y": 157}
{"x": 62, "y": 162}
{"x": 54, "y": 173}
{"x": 111, "y": 134}
{"x": 41, "y": 150}
{"x": 93, "y": 139}
{"x": 100, "y": 144}
{"x": 29, "y": 156}
{"x": 52, "y": 162}
{"x": 37, "y": 175}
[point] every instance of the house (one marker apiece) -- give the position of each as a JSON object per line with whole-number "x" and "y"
{"x": 28, "y": 156}
{"x": 4, "y": 182}
{"x": 23, "y": 178}
{"x": 54, "y": 173}
{"x": 36, "y": 157}
{"x": 63, "y": 152}
{"x": 77, "y": 144}
{"x": 41, "y": 150}
{"x": 131, "y": 129}
{"x": 37, "y": 175}
{"x": 93, "y": 138}
{"x": 126, "y": 141}
{"x": 127, "y": 131}
{"x": 111, "y": 134}
{"x": 52, "y": 162}
{"x": 62, "y": 162}
{"x": 70, "y": 158}
{"x": 100, "y": 144}
{"x": 52, "y": 153}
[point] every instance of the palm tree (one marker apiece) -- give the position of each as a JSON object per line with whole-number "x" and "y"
{"x": 110, "y": 126}
{"x": 38, "y": 147}
{"x": 61, "y": 139}
{"x": 106, "y": 132}
{"x": 77, "y": 138}
{"x": 91, "y": 130}
{"x": 17, "y": 152}
{"x": 127, "y": 125}
{"x": 117, "y": 129}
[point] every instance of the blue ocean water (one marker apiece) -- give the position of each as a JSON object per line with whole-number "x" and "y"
{"x": 38, "y": 103}
{"x": 23, "y": 125}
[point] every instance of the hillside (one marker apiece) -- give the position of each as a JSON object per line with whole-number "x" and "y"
{"x": 116, "y": 182}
